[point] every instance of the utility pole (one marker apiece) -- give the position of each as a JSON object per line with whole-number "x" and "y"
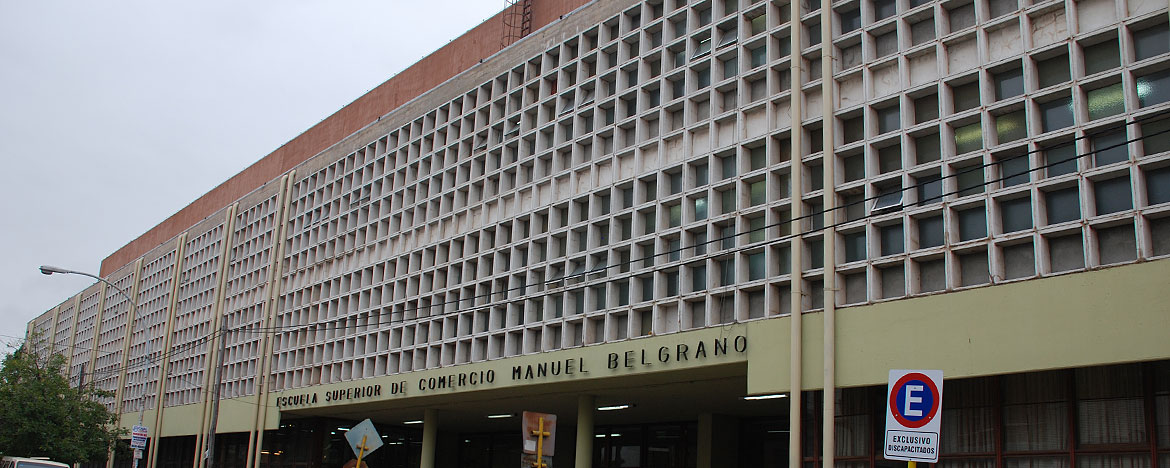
{"x": 215, "y": 402}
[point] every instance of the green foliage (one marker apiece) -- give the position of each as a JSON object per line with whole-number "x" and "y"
{"x": 44, "y": 417}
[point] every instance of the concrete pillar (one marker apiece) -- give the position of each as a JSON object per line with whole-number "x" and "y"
{"x": 584, "y": 452}
{"x": 718, "y": 444}
{"x": 430, "y": 438}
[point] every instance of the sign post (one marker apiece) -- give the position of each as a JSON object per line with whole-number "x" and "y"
{"x": 363, "y": 439}
{"x": 139, "y": 434}
{"x": 539, "y": 439}
{"x": 913, "y": 417}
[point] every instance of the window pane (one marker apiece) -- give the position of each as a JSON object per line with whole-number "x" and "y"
{"x": 1116, "y": 244}
{"x": 888, "y": 119}
{"x": 1151, "y": 41}
{"x": 854, "y": 167}
{"x": 929, "y": 189}
{"x": 1153, "y": 88}
{"x": 1112, "y": 195}
{"x": 1016, "y": 215}
{"x": 1061, "y": 160}
{"x": 758, "y": 194}
{"x": 966, "y": 96}
{"x": 889, "y": 158}
{"x": 1063, "y": 205}
{"x": 855, "y": 247}
{"x": 926, "y": 108}
{"x": 969, "y": 180}
{"x": 1009, "y": 127}
{"x": 756, "y": 266}
{"x": 926, "y": 148}
{"x": 930, "y": 232}
{"x": 1158, "y": 185}
{"x": 972, "y": 224}
{"x": 1056, "y": 114}
{"x": 1101, "y": 57}
{"x": 1052, "y": 71}
{"x": 1107, "y": 101}
{"x": 968, "y": 138}
{"x": 701, "y": 208}
{"x": 891, "y": 238}
{"x": 1155, "y": 136}
{"x": 1009, "y": 83}
{"x": 1014, "y": 170}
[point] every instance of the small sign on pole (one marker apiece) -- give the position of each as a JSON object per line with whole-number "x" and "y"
{"x": 539, "y": 439}
{"x": 138, "y": 436}
{"x": 913, "y": 415}
{"x": 363, "y": 439}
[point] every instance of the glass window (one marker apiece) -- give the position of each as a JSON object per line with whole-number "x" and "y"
{"x": 969, "y": 138}
{"x": 1158, "y": 185}
{"x": 1008, "y": 127}
{"x": 728, "y": 165}
{"x": 855, "y": 247}
{"x": 700, "y": 208}
{"x": 759, "y": 157}
{"x": 883, "y": 9}
{"x": 889, "y": 158}
{"x": 1155, "y": 136}
{"x": 1062, "y": 205}
{"x": 1016, "y": 214}
{"x": 1112, "y": 195}
{"x": 972, "y": 224}
{"x": 1153, "y": 88}
{"x": 675, "y": 212}
{"x": 1014, "y": 170}
{"x": 999, "y": 8}
{"x": 850, "y": 20}
{"x": 927, "y": 148}
{"x": 1104, "y": 102}
{"x": 758, "y": 193}
{"x": 1052, "y": 71}
{"x": 969, "y": 180}
{"x": 888, "y": 119}
{"x": 1056, "y": 114}
{"x": 816, "y": 253}
{"x": 1109, "y": 148}
{"x": 892, "y": 239}
{"x": 699, "y": 278}
{"x": 853, "y": 129}
{"x": 701, "y": 177}
{"x": 756, "y": 232}
{"x": 930, "y": 232}
{"x": 962, "y": 17}
{"x": 926, "y": 108}
{"x": 966, "y": 96}
{"x": 756, "y": 270}
{"x": 1061, "y": 159}
{"x": 854, "y": 167}
{"x": 727, "y": 200}
{"x": 1009, "y": 83}
{"x": 1151, "y": 41}
{"x": 929, "y": 189}
{"x": 1102, "y": 56}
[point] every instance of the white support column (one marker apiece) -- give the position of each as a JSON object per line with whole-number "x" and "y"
{"x": 430, "y": 438}
{"x": 583, "y": 457}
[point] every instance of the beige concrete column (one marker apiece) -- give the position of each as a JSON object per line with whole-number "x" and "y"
{"x": 583, "y": 456}
{"x": 717, "y": 441}
{"x": 430, "y": 438}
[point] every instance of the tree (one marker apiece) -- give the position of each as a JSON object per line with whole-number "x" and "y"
{"x": 42, "y": 416}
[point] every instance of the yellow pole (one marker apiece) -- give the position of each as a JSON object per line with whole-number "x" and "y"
{"x": 540, "y": 435}
{"x": 912, "y": 464}
{"x": 362, "y": 451}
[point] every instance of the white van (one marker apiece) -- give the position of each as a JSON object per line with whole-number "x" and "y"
{"x": 18, "y": 462}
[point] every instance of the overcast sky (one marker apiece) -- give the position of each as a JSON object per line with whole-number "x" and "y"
{"x": 115, "y": 115}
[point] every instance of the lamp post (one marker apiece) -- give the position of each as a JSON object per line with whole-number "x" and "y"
{"x": 49, "y": 270}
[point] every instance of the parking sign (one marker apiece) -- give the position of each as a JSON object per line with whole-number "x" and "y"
{"x": 913, "y": 415}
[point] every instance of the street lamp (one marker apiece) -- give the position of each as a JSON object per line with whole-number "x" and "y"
{"x": 49, "y": 270}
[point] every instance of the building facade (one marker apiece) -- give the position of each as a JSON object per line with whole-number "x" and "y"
{"x": 675, "y": 225}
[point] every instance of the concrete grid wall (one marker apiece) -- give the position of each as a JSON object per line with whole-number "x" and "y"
{"x": 655, "y": 128}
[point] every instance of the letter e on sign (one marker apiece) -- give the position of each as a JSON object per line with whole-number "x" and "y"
{"x": 913, "y": 416}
